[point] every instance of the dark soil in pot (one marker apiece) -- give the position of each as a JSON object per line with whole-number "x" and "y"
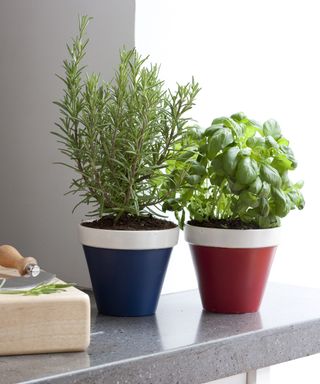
{"x": 130, "y": 223}
{"x": 224, "y": 224}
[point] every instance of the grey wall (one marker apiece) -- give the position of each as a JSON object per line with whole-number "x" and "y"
{"x": 34, "y": 215}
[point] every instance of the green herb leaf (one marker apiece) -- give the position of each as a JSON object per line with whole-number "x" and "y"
{"x": 271, "y": 142}
{"x": 264, "y": 207}
{"x": 265, "y": 190}
{"x": 211, "y": 130}
{"x": 271, "y": 175}
{"x": 239, "y": 117}
{"x": 236, "y": 187}
{"x": 247, "y": 200}
{"x": 193, "y": 179}
{"x": 218, "y": 165}
{"x": 197, "y": 169}
{"x": 256, "y": 186}
{"x": 287, "y": 151}
{"x": 269, "y": 221}
{"x": 272, "y": 128}
{"x": 219, "y": 140}
{"x": 282, "y": 163}
{"x": 282, "y": 203}
{"x": 256, "y": 141}
{"x": 247, "y": 171}
{"x": 229, "y": 159}
{"x": 245, "y": 152}
{"x": 41, "y": 289}
{"x": 234, "y": 126}
{"x": 296, "y": 198}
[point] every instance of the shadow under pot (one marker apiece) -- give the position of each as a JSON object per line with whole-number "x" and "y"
{"x": 127, "y": 268}
{"x": 232, "y": 266}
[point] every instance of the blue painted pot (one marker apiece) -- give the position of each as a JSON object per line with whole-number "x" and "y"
{"x": 127, "y": 282}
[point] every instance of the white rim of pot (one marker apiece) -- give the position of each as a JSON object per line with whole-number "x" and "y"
{"x": 232, "y": 238}
{"x": 134, "y": 240}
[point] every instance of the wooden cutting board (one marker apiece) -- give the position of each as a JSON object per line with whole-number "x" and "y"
{"x": 58, "y": 322}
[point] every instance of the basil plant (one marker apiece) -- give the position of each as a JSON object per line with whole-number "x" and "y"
{"x": 237, "y": 170}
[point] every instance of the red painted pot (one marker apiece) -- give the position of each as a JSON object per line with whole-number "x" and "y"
{"x": 232, "y": 266}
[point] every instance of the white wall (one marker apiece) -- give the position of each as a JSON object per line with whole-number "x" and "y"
{"x": 34, "y": 214}
{"x": 256, "y": 56}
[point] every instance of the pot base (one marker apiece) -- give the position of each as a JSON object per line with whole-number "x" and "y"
{"x": 127, "y": 282}
{"x": 232, "y": 280}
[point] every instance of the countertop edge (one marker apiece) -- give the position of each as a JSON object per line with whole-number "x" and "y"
{"x": 240, "y": 353}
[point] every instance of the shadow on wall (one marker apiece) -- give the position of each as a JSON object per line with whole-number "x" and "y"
{"x": 36, "y": 217}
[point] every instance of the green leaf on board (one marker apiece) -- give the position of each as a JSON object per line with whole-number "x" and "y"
{"x": 41, "y": 289}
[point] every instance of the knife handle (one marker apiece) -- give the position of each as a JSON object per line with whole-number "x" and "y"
{"x": 11, "y": 258}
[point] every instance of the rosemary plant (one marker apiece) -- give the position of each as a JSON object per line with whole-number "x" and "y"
{"x": 120, "y": 136}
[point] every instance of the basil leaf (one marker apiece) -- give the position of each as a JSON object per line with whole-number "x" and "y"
{"x": 171, "y": 205}
{"x": 287, "y": 151}
{"x": 264, "y": 207}
{"x": 271, "y": 142}
{"x": 219, "y": 120}
{"x": 282, "y": 163}
{"x": 236, "y": 187}
{"x": 265, "y": 190}
{"x": 218, "y": 141}
{"x": 203, "y": 148}
{"x": 246, "y": 152}
{"x": 247, "y": 171}
{"x": 217, "y": 165}
{"x": 272, "y": 128}
{"x": 269, "y": 222}
{"x": 270, "y": 175}
{"x": 256, "y": 186}
{"x": 216, "y": 179}
{"x": 187, "y": 194}
{"x": 256, "y": 141}
{"x": 283, "y": 141}
{"x": 229, "y": 159}
{"x": 195, "y": 133}
{"x": 296, "y": 198}
{"x": 185, "y": 156}
{"x": 282, "y": 203}
{"x": 193, "y": 179}
{"x": 249, "y": 130}
{"x": 286, "y": 182}
{"x": 229, "y": 123}
{"x": 299, "y": 184}
{"x": 247, "y": 200}
{"x": 211, "y": 130}
{"x": 197, "y": 169}
{"x": 255, "y": 125}
{"x": 234, "y": 126}
{"x": 239, "y": 117}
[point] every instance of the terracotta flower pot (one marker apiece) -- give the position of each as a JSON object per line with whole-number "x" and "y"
{"x": 127, "y": 268}
{"x": 232, "y": 266}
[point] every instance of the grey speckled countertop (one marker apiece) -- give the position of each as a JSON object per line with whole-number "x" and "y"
{"x": 182, "y": 344}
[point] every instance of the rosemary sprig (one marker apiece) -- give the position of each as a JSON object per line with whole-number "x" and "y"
{"x": 43, "y": 288}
